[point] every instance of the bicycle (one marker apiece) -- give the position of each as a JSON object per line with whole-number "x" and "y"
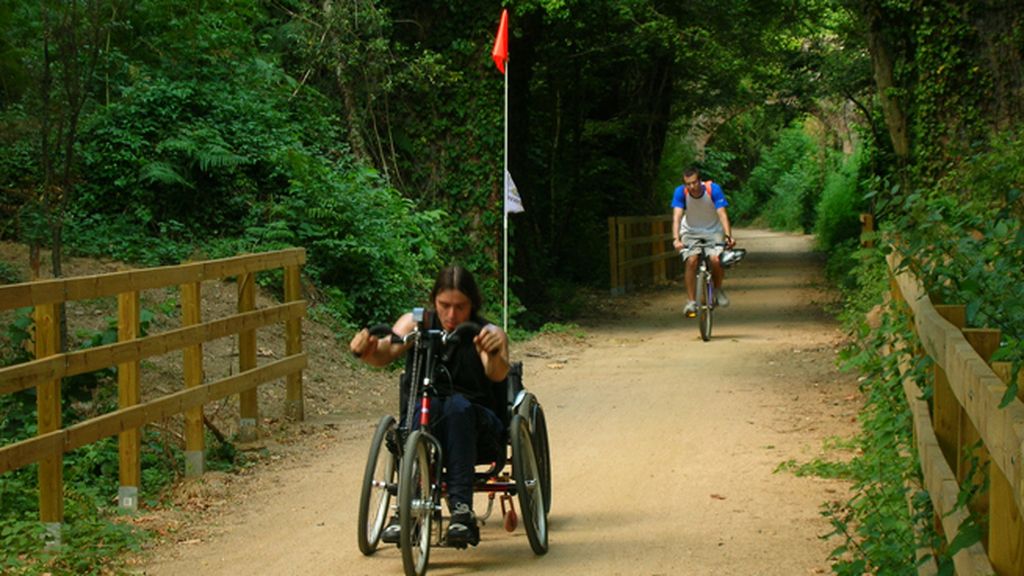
{"x": 406, "y": 461}
{"x": 705, "y": 290}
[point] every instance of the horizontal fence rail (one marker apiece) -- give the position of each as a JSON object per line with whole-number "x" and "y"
{"x": 640, "y": 252}
{"x": 50, "y": 366}
{"x": 964, "y": 420}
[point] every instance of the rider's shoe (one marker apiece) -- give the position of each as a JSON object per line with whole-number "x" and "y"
{"x": 690, "y": 310}
{"x": 392, "y": 532}
{"x": 462, "y": 530}
{"x": 391, "y": 441}
{"x": 720, "y": 298}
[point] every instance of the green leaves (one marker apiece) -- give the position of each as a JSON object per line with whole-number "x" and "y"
{"x": 159, "y": 172}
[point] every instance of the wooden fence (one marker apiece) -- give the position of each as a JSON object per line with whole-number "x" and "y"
{"x": 964, "y": 421}
{"x": 46, "y": 372}
{"x": 640, "y": 252}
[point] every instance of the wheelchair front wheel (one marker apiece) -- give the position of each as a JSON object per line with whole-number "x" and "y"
{"x": 417, "y": 501}
{"x": 378, "y": 487}
{"x": 529, "y": 486}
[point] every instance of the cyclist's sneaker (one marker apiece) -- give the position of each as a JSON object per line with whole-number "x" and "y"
{"x": 720, "y": 298}
{"x": 690, "y": 309}
{"x": 463, "y": 531}
{"x": 392, "y": 532}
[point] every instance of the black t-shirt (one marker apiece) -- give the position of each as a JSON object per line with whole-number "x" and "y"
{"x": 462, "y": 371}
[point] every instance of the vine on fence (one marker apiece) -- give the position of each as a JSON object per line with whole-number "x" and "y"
{"x": 889, "y": 516}
{"x": 879, "y": 532}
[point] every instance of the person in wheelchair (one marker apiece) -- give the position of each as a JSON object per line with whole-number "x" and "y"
{"x": 467, "y": 381}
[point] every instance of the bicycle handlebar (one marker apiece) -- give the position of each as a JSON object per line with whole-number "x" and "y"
{"x": 700, "y": 244}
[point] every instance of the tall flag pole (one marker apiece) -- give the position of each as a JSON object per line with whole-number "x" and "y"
{"x": 500, "y": 55}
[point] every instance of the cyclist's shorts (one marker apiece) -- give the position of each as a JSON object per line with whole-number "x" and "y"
{"x": 691, "y": 244}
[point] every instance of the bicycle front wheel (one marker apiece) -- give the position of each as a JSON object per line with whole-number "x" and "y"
{"x": 705, "y": 303}
{"x": 416, "y": 502}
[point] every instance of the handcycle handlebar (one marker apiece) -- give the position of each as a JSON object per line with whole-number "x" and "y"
{"x": 470, "y": 329}
{"x": 384, "y": 331}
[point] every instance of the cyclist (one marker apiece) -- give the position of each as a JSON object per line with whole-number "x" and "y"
{"x": 466, "y": 380}
{"x": 699, "y": 214}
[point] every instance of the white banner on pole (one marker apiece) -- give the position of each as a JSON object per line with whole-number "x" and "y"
{"x": 513, "y": 203}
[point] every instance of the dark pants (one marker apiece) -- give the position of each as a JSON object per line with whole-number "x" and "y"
{"x": 462, "y": 427}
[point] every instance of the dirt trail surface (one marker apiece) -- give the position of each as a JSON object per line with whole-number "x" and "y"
{"x": 664, "y": 449}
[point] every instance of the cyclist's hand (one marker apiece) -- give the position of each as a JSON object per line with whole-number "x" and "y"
{"x": 677, "y": 244}
{"x": 362, "y": 343}
{"x": 488, "y": 341}
{"x": 730, "y": 242}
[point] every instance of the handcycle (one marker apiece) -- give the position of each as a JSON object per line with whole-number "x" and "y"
{"x": 706, "y": 301}
{"x": 405, "y": 461}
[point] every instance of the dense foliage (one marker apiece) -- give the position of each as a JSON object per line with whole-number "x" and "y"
{"x": 945, "y": 182}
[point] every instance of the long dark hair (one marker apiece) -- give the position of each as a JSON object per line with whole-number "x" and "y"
{"x": 458, "y": 278}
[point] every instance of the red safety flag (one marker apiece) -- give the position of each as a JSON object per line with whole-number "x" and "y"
{"x": 500, "y": 52}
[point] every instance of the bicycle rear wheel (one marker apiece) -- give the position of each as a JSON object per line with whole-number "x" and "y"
{"x": 705, "y": 303}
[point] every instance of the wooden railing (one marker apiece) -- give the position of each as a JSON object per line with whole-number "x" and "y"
{"x": 640, "y": 252}
{"x": 965, "y": 421}
{"x": 46, "y": 372}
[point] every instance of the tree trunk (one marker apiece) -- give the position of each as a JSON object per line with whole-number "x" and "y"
{"x": 883, "y": 64}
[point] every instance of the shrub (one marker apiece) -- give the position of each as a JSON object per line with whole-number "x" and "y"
{"x": 786, "y": 183}
{"x": 838, "y": 212}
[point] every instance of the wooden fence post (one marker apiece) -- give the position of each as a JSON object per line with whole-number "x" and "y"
{"x": 1006, "y": 527}
{"x": 637, "y": 252}
{"x": 867, "y": 225}
{"x": 657, "y": 249}
{"x": 985, "y": 342}
{"x": 51, "y": 476}
{"x": 613, "y": 255}
{"x": 248, "y": 409}
{"x": 945, "y": 408}
{"x": 621, "y": 250}
{"x": 129, "y": 442}
{"x": 193, "y": 366}
{"x": 294, "y": 407}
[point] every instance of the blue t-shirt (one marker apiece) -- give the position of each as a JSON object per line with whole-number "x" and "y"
{"x": 701, "y": 215}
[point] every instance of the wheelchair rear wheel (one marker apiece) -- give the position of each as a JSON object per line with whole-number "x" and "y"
{"x": 542, "y": 452}
{"x": 378, "y": 487}
{"x": 529, "y": 485}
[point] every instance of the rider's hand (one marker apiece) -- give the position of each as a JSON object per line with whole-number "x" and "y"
{"x": 730, "y": 242}
{"x": 677, "y": 244}
{"x": 362, "y": 343}
{"x": 488, "y": 341}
